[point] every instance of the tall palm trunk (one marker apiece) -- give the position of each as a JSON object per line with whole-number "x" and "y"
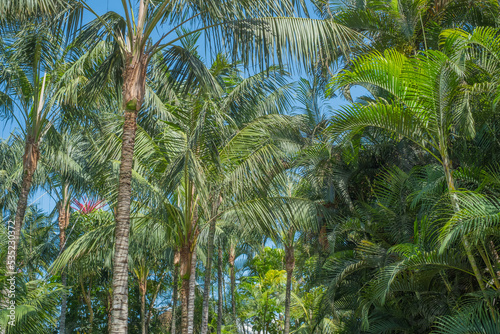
{"x": 188, "y": 258}
{"x": 192, "y": 296}
{"x": 64, "y": 305}
{"x": 289, "y": 266}
{"x": 174, "y": 292}
{"x": 208, "y": 271}
{"x": 109, "y": 308}
{"x": 134, "y": 81}
{"x": 142, "y": 291}
{"x": 185, "y": 269}
{"x": 63, "y": 221}
{"x": 265, "y": 323}
{"x": 232, "y": 274}
{"x": 220, "y": 282}
{"x": 30, "y": 162}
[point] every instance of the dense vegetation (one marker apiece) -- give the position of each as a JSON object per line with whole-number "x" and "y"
{"x": 208, "y": 190}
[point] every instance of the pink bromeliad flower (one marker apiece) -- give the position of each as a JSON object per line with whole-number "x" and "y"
{"x": 87, "y": 205}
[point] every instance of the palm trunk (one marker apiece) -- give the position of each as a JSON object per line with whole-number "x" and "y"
{"x": 208, "y": 271}
{"x": 174, "y": 292}
{"x": 64, "y": 305}
{"x": 232, "y": 274}
{"x": 192, "y": 295}
{"x": 290, "y": 265}
{"x": 88, "y": 302}
{"x": 219, "y": 288}
{"x": 323, "y": 238}
{"x": 109, "y": 309}
{"x": 30, "y": 162}
{"x": 265, "y": 324}
{"x": 133, "y": 95}
{"x": 63, "y": 221}
{"x": 188, "y": 259}
{"x": 142, "y": 290}
{"x": 185, "y": 268}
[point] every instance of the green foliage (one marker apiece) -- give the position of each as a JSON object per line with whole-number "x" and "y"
{"x": 381, "y": 217}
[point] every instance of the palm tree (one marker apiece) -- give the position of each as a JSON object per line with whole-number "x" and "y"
{"x": 200, "y": 140}
{"x": 265, "y": 30}
{"x": 424, "y": 104}
{"x": 30, "y": 86}
{"x": 244, "y": 99}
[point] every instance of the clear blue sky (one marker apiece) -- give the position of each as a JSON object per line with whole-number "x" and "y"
{"x": 101, "y": 7}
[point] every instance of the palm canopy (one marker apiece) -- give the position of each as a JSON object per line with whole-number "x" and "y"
{"x": 208, "y": 143}
{"x": 256, "y": 32}
{"x": 32, "y": 60}
{"x": 417, "y": 98}
{"x": 30, "y": 80}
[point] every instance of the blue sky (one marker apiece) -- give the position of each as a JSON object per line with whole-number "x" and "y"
{"x": 100, "y": 7}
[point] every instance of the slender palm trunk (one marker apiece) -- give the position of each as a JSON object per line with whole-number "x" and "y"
{"x": 88, "y": 301}
{"x": 142, "y": 290}
{"x": 232, "y": 274}
{"x": 185, "y": 268}
{"x": 30, "y": 162}
{"x": 323, "y": 239}
{"x": 188, "y": 259}
{"x": 192, "y": 296}
{"x": 290, "y": 265}
{"x": 64, "y": 305}
{"x": 63, "y": 221}
{"x": 143, "y": 314}
{"x": 220, "y": 282}
{"x": 265, "y": 324}
{"x": 109, "y": 309}
{"x": 208, "y": 271}
{"x": 174, "y": 292}
{"x": 133, "y": 95}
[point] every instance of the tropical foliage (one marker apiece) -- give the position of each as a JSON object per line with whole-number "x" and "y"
{"x": 250, "y": 167}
